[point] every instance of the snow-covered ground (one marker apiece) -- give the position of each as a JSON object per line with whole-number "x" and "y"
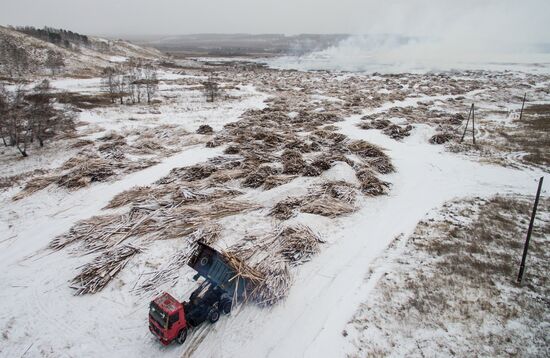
{"x": 41, "y": 317}
{"x": 328, "y": 290}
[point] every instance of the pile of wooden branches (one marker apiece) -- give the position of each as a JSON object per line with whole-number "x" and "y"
{"x": 397, "y": 132}
{"x": 193, "y": 173}
{"x": 169, "y": 273}
{"x": 264, "y": 261}
{"x": 35, "y": 184}
{"x": 365, "y": 149}
{"x": 370, "y": 184}
{"x": 150, "y": 146}
{"x": 441, "y": 138}
{"x": 205, "y": 129}
{"x": 382, "y": 165}
{"x": 293, "y": 163}
{"x": 149, "y": 221}
{"x": 167, "y": 134}
{"x": 390, "y": 129}
{"x": 330, "y": 199}
{"x": 298, "y": 244}
{"x": 284, "y": 209}
{"x": 82, "y": 170}
{"x": 136, "y": 195}
{"x": 258, "y": 178}
{"x": 174, "y": 193}
{"x": 369, "y": 123}
{"x": 95, "y": 275}
{"x": 456, "y": 119}
{"x": 274, "y": 181}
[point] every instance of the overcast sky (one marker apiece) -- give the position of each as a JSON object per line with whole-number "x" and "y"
{"x": 517, "y": 18}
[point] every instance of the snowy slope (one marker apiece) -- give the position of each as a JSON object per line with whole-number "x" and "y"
{"x": 89, "y": 59}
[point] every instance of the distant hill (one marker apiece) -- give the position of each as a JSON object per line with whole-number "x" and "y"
{"x": 240, "y": 44}
{"x": 27, "y": 50}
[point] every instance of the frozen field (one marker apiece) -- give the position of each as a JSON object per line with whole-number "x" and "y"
{"x": 40, "y": 316}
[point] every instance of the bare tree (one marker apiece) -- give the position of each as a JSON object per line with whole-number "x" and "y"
{"x": 26, "y": 117}
{"x": 211, "y": 89}
{"x": 131, "y": 80}
{"x": 108, "y": 83}
{"x": 134, "y": 82}
{"x": 18, "y": 130}
{"x": 4, "y": 105}
{"x": 150, "y": 81}
{"x": 54, "y": 61}
{"x": 121, "y": 80}
{"x": 41, "y": 113}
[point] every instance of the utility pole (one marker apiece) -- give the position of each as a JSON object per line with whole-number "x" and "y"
{"x": 470, "y": 115}
{"x": 467, "y": 122}
{"x": 526, "y": 247}
{"x": 473, "y": 124}
{"x": 522, "y": 105}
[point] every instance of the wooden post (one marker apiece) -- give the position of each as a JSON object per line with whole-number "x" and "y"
{"x": 526, "y": 247}
{"x": 467, "y": 122}
{"x": 522, "y": 105}
{"x": 473, "y": 124}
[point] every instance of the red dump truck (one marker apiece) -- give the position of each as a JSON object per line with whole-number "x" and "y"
{"x": 170, "y": 319}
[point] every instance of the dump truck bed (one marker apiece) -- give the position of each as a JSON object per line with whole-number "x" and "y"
{"x": 212, "y": 265}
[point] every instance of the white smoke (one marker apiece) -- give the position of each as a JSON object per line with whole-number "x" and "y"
{"x": 430, "y": 35}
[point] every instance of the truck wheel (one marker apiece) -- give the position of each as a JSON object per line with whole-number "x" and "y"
{"x": 182, "y": 336}
{"x": 213, "y": 315}
{"x": 226, "y": 306}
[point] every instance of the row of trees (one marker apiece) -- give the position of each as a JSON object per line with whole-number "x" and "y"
{"x": 58, "y": 37}
{"x": 29, "y": 116}
{"x": 134, "y": 81}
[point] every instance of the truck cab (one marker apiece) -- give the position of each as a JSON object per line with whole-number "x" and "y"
{"x": 167, "y": 319}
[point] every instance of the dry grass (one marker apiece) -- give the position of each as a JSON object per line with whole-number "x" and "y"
{"x": 455, "y": 282}
{"x": 83, "y": 101}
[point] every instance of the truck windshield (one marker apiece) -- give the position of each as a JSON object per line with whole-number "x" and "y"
{"x": 158, "y": 315}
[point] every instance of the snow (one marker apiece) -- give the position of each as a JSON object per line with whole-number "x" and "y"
{"x": 38, "y": 278}
{"x": 118, "y": 59}
{"x": 326, "y": 291}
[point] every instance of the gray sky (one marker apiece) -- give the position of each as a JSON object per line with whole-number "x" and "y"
{"x": 519, "y": 19}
